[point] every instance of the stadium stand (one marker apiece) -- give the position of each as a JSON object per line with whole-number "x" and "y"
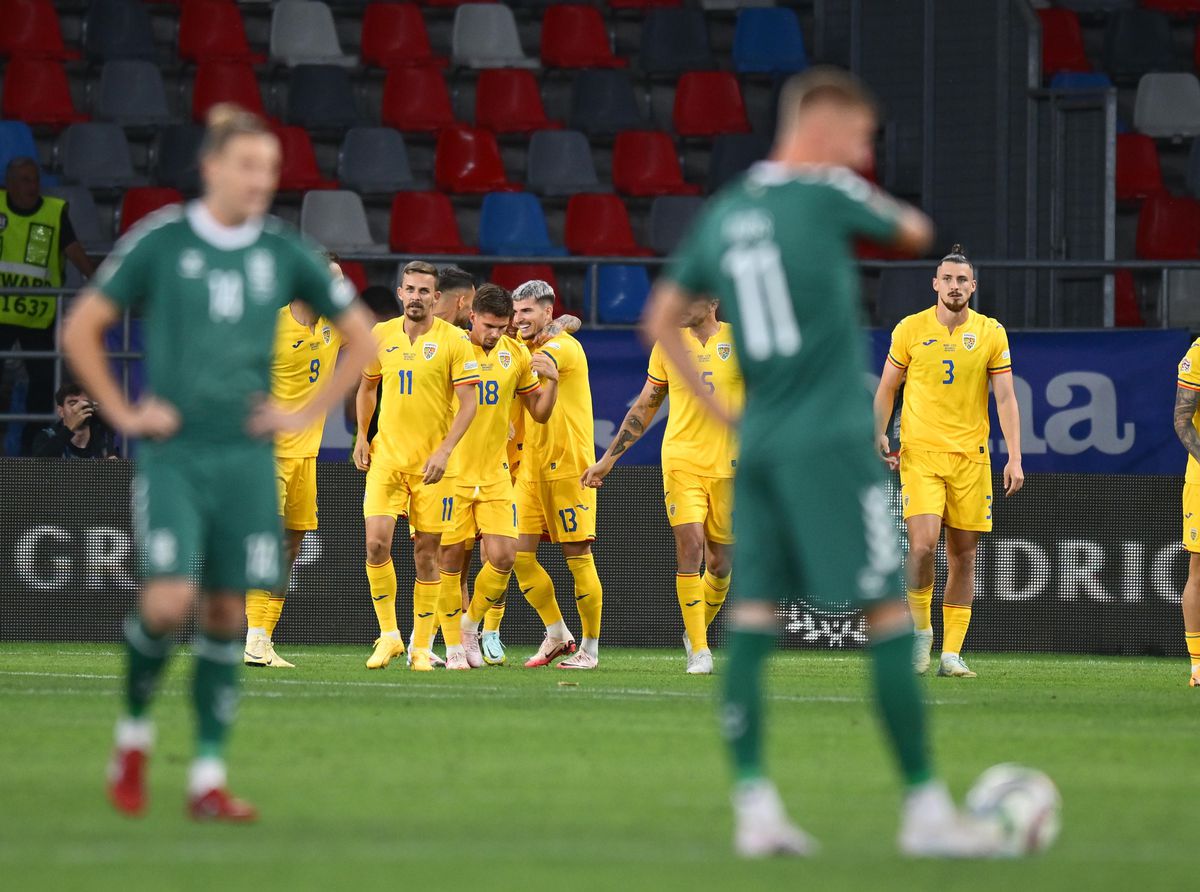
{"x": 31, "y": 29}
{"x": 1062, "y": 42}
{"x": 37, "y": 92}
{"x": 118, "y": 29}
{"x": 1138, "y": 172}
{"x": 96, "y": 156}
{"x": 1167, "y": 105}
{"x": 645, "y": 163}
{"x": 708, "y": 103}
{"x": 337, "y": 220}
{"x": 394, "y": 35}
{"x": 575, "y": 36}
{"x": 298, "y": 171}
{"x": 508, "y": 101}
{"x": 670, "y": 219}
{"x": 621, "y": 292}
{"x": 303, "y": 33}
{"x": 468, "y": 162}
{"x": 374, "y": 160}
{"x": 416, "y": 100}
{"x": 131, "y": 93}
{"x": 559, "y": 162}
{"x": 485, "y": 36}
{"x": 675, "y": 40}
{"x": 513, "y": 223}
{"x": 424, "y": 223}
{"x": 213, "y": 30}
{"x": 598, "y": 225}
{"x": 139, "y": 201}
{"x": 768, "y": 41}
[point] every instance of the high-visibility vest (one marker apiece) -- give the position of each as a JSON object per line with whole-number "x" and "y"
{"x": 31, "y": 255}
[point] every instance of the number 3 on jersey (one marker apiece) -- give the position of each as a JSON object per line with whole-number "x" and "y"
{"x": 949, "y": 364}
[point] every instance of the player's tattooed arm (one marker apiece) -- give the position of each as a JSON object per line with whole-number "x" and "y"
{"x": 1186, "y": 402}
{"x": 566, "y": 322}
{"x": 639, "y": 417}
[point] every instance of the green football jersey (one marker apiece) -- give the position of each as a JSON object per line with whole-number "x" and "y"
{"x": 209, "y": 297}
{"x": 777, "y": 248}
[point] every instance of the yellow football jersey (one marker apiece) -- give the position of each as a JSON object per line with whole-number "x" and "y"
{"x": 418, "y": 402}
{"x": 1189, "y": 377}
{"x": 504, "y": 374}
{"x": 946, "y": 385}
{"x": 695, "y": 441}
{"x": 565, "y": 445}
{"x": 304, "y": 357}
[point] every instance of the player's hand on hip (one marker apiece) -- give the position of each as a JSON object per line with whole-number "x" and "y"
{"x": 1014, "y": 476}
{"x": 362, "y": 453}
{"x": 544, "y": 366}
{"x": 152, "y": 418}
{"x": 435, "y": 467}
{"x": 886, "y": 455}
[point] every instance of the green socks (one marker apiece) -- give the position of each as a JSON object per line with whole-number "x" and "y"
{"x": 214, "y": 692}
{"x": 898, "y": 700}
{"x": 741, "y": 711}
{"x": 148, "y": 655}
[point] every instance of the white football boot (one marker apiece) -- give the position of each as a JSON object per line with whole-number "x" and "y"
{"x": 932, "y": 827}
{"x": 922, "y": 645}
{"x": 762, "y": 828}
{"x": 700, "y": 663}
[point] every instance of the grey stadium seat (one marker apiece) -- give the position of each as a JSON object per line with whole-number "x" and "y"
{"x": 176, "y": 157}
{"x": 132, "y": 94}
{"x": 96, "y": 156}
{"x": 671, "y": 218}
{"x": 560, "y": 163}
{"x": 1167, "y": 106}
{"x": 1137, "y": 41}
{"x": 603, "y": 103}
{"x": 374, "y": 160}
{"x": 674, "y": 40}
{"x": 336, "y": 219}
{"x": 321, "y": 97}
{"x": 485, "y": 36}
{"x": 85, "y": 218}
{"x": 303, "y": 33}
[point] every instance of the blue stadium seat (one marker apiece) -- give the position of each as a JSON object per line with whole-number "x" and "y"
{"x": 132, "y": 94}
{"x": 513, "y": 223}
{"x": 118, "y": 29}
{"x": 767, "y": 41}
{"x": 674, "y": 40}
{"x": 1136, "y": 42}
{"x": 603, "y": 103}
{"x": 321, "y": 97}
{"x": 623, "y": 291}
{"x": 16, "y": 141}
{"x": 1081, "y": 80}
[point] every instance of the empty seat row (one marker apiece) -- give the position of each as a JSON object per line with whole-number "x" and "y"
{"x": 1136, "y": 42}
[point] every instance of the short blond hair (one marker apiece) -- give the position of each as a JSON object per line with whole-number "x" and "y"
{"x": 225, "y": 120}
{"x": 820, "y": 85}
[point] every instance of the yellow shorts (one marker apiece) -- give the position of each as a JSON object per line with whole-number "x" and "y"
{"x": 429, "y": 508}
{"x": 564, "y": 507}
{"x": 948, "y": 485}
{"x": 691, "y": 498}
{"x": 483, "y": 509}
{"x": 296, "y": 479}
{"x": 1191, "y": 517}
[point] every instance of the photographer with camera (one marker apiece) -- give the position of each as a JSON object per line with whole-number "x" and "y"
{"x": 79, "y": 433}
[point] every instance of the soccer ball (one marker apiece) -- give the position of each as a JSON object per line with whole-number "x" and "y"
{"x": 1022, "y": 802}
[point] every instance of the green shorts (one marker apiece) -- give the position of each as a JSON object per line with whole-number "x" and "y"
{"x": 210, "y": 515}
{"x": 815, "y": 527}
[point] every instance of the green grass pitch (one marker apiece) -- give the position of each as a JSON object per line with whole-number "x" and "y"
{"x": 503, "y": 779}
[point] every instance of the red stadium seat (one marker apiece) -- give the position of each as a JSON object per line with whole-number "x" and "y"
{"x": 645, "y": 163}
{"x": 599, "y": 225}
{"x": 1178, "y": 7}
{"x": 512, "y": 275}
{"x": 467, "y": 161}
{"x": 1138, "y": 173}
{"x": 1062, "y": 42}
{"x": 575, "y": 36}
{"x": 142, "y": 200}
{"x": 1169, "y": 228}
{"x": 1127, "y": 312}
{"x": 424, "y": 223}
{"x": 356, "y": 273}
{"x": 31, "y": 29}
{"x": 394, "y": 36}
{"x": 37, "y": 91}
{"x": 213, "y": 29}
{"x": 508, "y": 100}
{"x": 708, "y": 103}
{"x": 225, "y": 81}
{"x": 299, "y": 171}
{"x": 416, "y": 100}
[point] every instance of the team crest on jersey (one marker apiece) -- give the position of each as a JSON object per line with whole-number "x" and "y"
{"x": 260, "y": 274}
{"x": 191, "y": 264}
{"x": 968, "y": 340}
{"x": 1194, "y": 534}
{"x": 724, "y": 351}
{"x": 430, "y": 349}
{"x": 505, "y": 358}
{"x": 327, "y": 335}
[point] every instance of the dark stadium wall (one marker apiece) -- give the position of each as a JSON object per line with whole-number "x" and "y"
{"x": 1077, "y": 563}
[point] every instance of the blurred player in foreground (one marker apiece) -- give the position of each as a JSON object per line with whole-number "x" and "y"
{"x": 208, "y": 281}
{"x": 776, "y": 248}
{"x": 1187, "y": 427}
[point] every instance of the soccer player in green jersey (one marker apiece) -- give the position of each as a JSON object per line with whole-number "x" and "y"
{"x": 208, "y": 280}
{"x": 812, "y": 520}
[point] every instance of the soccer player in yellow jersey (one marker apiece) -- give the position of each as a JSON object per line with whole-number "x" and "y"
{"x": 699, "y": 457}
{"x": 424, "y": 365}
{"x": 306, "y": 349}
{"x": 1187, "y": 427}
{"x": 549, "y": 494}
{"x": 483, "y": 493}
{"x": 946, "y": 357}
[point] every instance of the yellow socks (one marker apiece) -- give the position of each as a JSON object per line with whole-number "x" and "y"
{"x": 690, "y": 589}
{"x": 425, "y": 604}
{"x": 449, "y": 608}
{"x": 589, "y": 596}
{"x": 716, "y": 588}
{"x": 256, "y": 608}
{"x": 382, "y": 579}
{"x": 537, "y": 587}
{"x": 1193, "y": 646}
{"x": 271, "y": 616}
{"x": 490, "y": 587}
{"x": 919, "y": 601}
{"x": 491, "y": 620}
{"x": 955, "y": 620}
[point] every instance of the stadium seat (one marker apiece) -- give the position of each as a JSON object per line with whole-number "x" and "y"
{"x": 336, "y": 220}
{"x": 575, "y": 36}
{"x": 675, "y": 40}
{"x": 132, "y": 94}
{"x": 223, "y": 80}
{"x": 37, "y": 92}
{"x": 1192, "y": 177}
{"x": 768, "y": 41}
{"x": 444, "y": 4}
{"x": 513, "y": 275}
{"x": 303, "y": 33}
{"x": 416, "y": 100}
{"x": 394, "y": 34}
{"x": 708, "y": 103}
{"x": 356, "y": 273}
{"x": 176, "y": 157}
{"x": 1167, "y": 106}
{"x": 623, "y": 290}
{"x": 1127, "y": 310}
{"x": 321, "y": 97}
{"x": 298, "y": 171}
{"x": 374, "y": 160}
{"x": 1173, "y": 7}
{"x": 732, "y": 5}
{"x": 424, "y": 223}
{"x": 1138, "y": 172}
{"x": 213, "y": 29}
{"x": 509, "y": 100}
{"x": 513, "y": 223}
{"x": 1183, "y": 310}
{"x": 143, "y": 200}
{"x": 1095, "y": 6}
{"x": 1169, "y": 228}
{"x": 84, "y": 217}
{"x": 643, "y": 4}
{"x": 598, "y": 224}
{"x": 118, "y": 29}
{"x": 485, "y": 36}
{"x": 467, "y": 161}
{"x": 671, "y": 219}
{"x": 1062, "y": 42}
{"x": 1137, "y": 41}
{"x": 16, "y": 141}
{"x": 559, "y": 162}
{"x": 96, "y": 156}
{"x": 645, "y": 163}
{"x": 603, "y": 103}
{"x": 732, "y": 154}
{"x": 1081, "y": 80}
{"x": 31, "y": 29}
